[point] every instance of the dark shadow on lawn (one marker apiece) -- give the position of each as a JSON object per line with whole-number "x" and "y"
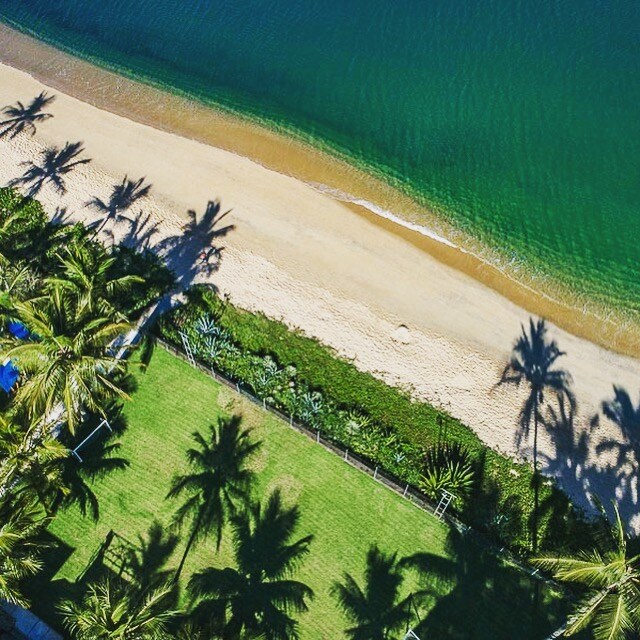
{"x": 486, "y": 598}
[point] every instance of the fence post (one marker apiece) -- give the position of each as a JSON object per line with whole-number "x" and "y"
{"x": 264, "y": 403}
{"x": 375, "y": 473}
{"x": 346, "y": 454}
{"x": 318, "y": 435}
{"x": 404, "y": 494}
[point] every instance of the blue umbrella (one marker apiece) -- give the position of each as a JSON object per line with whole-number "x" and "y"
{"x": 9, "y": 375}
{"x": 18, "y": 329}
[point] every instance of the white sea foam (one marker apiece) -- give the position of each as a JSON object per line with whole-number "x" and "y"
{"x": 385, "y": 213}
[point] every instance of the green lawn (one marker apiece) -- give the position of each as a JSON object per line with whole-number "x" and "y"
{"x": 345, "y": 510}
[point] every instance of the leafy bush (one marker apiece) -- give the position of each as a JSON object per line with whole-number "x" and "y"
{"x": 305, "y": 379}
{"x": 157, "y": 279}
{"x": 448, "y": 467}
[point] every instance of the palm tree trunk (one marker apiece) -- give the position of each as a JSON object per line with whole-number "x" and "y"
{"x": 536, "y": 496}
{"x": 192, "y": 538}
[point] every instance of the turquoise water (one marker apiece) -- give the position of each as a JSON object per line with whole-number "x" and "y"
{"x": 517, "y": 119}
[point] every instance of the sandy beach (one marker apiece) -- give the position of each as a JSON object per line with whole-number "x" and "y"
{"x": 302, "y": 256}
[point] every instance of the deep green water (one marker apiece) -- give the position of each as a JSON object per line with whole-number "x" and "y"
{"x": 518, "y": 119}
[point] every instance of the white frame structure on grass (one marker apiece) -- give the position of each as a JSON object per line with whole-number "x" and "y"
{"x": 104, "y": 423}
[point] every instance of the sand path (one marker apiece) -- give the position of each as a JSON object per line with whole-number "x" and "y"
{"x": 299, "y": 255}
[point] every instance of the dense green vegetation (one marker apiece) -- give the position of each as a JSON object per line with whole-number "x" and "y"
{"x": 472, "y": 593}
{"x": 305, "y": 378}
{"x": 192, "y": 514}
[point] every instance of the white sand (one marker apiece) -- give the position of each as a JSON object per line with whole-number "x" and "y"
{"x": 303, "y": 257}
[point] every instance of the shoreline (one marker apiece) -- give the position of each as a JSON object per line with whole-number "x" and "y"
{"x": 362, "y": 193}
{"x": 353, "y": 282}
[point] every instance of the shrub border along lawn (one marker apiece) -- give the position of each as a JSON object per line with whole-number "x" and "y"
{"x": 393, "y": 483}
{"x": 304, "y": 379}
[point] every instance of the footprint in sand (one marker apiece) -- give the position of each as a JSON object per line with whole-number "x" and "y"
{"x": 401, "y": 334}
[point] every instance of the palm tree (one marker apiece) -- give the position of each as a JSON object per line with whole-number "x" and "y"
{"x": 258, "y": 597}
{"x": 70, "y": 364}
{"x": 86, "y": 274}
{"x": 112, "y": 611}
{"x": 24, "y": 117}
{"x": 375, "y": 610}
{"x": 122, "y": 197}
{"x": 532, "y": 362}
{"x": 20, "y": 524}
{"x": 29, "y": 464}
{"x": 55, "y": 163}
{"x": 613, "y": 611}
{"x": 219, "y": 481}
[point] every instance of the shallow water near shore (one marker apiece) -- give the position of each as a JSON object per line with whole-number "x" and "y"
{"x": 513, "y": 125}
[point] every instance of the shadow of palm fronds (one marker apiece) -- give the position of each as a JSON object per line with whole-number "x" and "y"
{"x": 22, "y": 117}
{"x": 54, "y": 164}
{"x": 123, "y": 196}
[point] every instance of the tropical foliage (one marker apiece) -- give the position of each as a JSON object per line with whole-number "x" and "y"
{"x": 113, "y": 610}
{"x": 448, "y": 467}
{"x": 21, "y": 522}
{"x": 382, "y": 425}
{"x": 610, "y": 578}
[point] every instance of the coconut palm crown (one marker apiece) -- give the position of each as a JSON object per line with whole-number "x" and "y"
{"x": 111, "y": 611}
{"x": 611, "y": 577}
{"x": 20, "y": 523}
{"x": 68, "y": 366}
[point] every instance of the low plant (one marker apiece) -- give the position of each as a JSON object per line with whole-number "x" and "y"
{"x": 447, "y": 467}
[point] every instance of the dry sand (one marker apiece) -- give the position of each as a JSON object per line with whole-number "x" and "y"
{"x": 301, "y": 256}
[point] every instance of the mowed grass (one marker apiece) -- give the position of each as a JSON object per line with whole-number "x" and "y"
{"x": 343, "y": 508}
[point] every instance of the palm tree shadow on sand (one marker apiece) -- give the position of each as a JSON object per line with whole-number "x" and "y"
{"x": 122, "y": 197}
{"x": 196, "y": 251}
{"x": 54, "y": 164}
{"x": 21, "y": 117}
{"x": 571, "y": 462}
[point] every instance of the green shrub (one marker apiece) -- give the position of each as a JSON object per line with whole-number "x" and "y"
{"x": 447, "y": 467}
{"x": 384, "y": 424}
{"x": 157, "y": 279}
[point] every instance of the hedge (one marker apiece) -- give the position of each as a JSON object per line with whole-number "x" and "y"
{"x": 305, "y": 379}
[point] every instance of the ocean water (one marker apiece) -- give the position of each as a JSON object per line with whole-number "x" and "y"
{"x": 517, "y": 120}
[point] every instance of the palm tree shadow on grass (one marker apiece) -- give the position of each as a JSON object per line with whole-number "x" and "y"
{"x": 472, "y": 594}
{"x": 376, "y": 609}
{"x": 100, "y": 458}
{"x": 53, "y": 166}
{"x": 256, "y": 599}
{"x": 147, "y": 561}
{"x": 21, "y": 117}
